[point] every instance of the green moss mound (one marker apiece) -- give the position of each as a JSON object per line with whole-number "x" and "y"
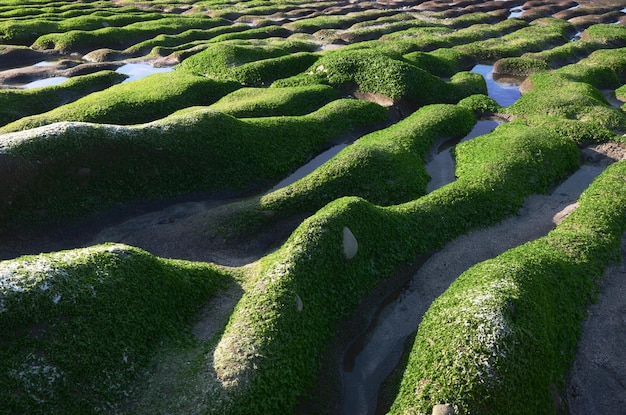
{"x": 271, "y": 344}
{"x": 372, "y": 71}
{"x": 512, "y": 323}
{"x": 218, "y": 58}
{"x": 185, "y": 39}
{"x": 16, "y": 104}
{"x": 26, "y": 31}
{"x": 143, "y": 100}
{"x": 543, "y": 33}
{"x": 432, "y": 38}
{"x": 71, "y": 169}
{"x": 580, "y": 132}
{"x": 264, "y": 72}
{"x": 267, "y": 102}
{"x": 385, "y": 167}
{"x": 76, "y": 326}
{"x": 520, "y": 66}
{"x": 481, "y": 105}
{"x": 557, "y": 95}
{"x": 443, "y": 62}
{"x": 82, "y": 41}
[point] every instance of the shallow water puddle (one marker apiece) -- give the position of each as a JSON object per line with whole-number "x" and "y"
{"x": 309, "y": 167}
{"x": 441, "y": 168}
{"x": 377, "y": 352}
{"x": 56, "y": 80}
{"x": 45, "y": 63}
{"x": 140, "y": 70}
{"x": 515, "y": 12}
{"x": 504, "y": 93}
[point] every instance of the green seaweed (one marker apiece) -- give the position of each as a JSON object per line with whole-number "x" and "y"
{"x": 77, "y": 326}
{"x": 267, "y": 102}
{"x": 82, "y": 168}
{"x": 270, "y": 344}
{"x": 143, "y": 100}
{"x": 513, "y": 322}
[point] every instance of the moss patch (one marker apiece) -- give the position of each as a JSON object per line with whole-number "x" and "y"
{"x": 143, "y": 100}
{"x": 83, "y": 167}
{"x": 16, "y": 104}
{"x": 83, "y": 323}
{"x": 512, "y": 323}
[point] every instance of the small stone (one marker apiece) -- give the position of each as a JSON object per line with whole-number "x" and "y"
{"x": 443, "y": 409}
{"x": 350, "y": 244}
{"x": 565, "y": 212}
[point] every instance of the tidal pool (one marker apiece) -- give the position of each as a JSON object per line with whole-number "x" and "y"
{"x": 46, "y": 82}
{"x": 441, "y": 167}
{"x": 515, "y": 12}
{"x": 140, "y": 70}
{"x": 504, "y": 93}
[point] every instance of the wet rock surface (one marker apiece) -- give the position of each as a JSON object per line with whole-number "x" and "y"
{"x": 193, "y": 230}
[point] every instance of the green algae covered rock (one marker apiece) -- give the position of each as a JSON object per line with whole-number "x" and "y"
{"x": 441, "y": 62}
{"x": 77, "y": 326}
{"x": 512, "y": 323}
{"x": 248, "y": 64}
{"x": 16, "y": 104}
{"x": 375, "y": 72}
{"x": 272, "y": 344}
{"x": 556, "y": 95}
{"x": 143, "y": 100}
{"x": 75, "y": 168}
{"x": 384, "y": 167}
{"x": 83, "y": 41}
{"x": 267, "y": 102}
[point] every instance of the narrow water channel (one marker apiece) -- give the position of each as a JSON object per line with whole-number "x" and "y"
{"x": 441, "y": 167}
{"x": 515, "y": 12}
{"x": 310, "y": 166}
{"x": 55, "y": 80}
{"x": 503, "y": 91}
{"x": 364, "y": 370}
{"x": 378, "y": 351}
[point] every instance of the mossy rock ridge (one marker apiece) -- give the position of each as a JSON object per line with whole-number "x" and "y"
{"x": 16, "y": 104}
{"x": 267, "y": 102}
{"x": 77, "y": 326}
{"x": 512, "y": 323}
{"x": 375, "y": 72}
{"x": 270, "y": 344}
{"x": 144, "y": 100}
{"x": 83, "y": 41}
{"x": 69, "y": 169}
{"x": 385, "y": 167}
